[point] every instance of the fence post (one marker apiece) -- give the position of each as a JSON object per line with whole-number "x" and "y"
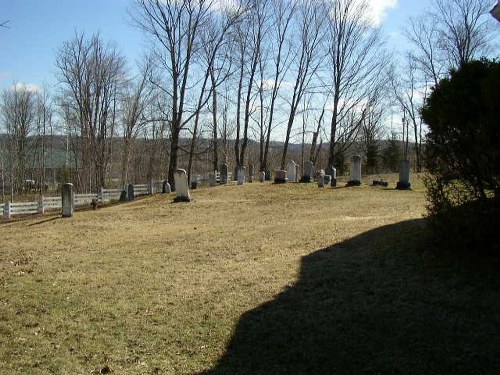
{"x": 41, "y": 207}
{"x": 100, "y": 196}
{"x": 151, "y": 188}
{"x": 6, "y": 210}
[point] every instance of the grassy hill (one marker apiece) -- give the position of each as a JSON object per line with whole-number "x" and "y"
{"x": 253, "y": 279}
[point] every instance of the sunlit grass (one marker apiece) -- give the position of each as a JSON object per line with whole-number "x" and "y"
{"x": 156, "y": 287}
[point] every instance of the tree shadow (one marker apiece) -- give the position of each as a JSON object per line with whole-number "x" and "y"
{"x": 373, "y": 304}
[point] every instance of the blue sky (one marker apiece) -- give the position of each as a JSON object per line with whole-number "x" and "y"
{"x": 37, "y": 28}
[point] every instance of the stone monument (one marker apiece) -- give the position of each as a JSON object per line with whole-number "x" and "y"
{"x": 404, "y": 175}
{"x": 68, "y": 202}
{"x": 355, "y": 171}
{"x": 181, "y": 186}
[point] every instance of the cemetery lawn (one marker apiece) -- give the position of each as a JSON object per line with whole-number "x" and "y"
{"x": 253, "y": 279}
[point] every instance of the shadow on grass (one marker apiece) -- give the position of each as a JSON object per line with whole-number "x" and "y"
{"x": 374, "y": 304}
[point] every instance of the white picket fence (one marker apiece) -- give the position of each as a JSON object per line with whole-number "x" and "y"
{"x": 55, "y": 203}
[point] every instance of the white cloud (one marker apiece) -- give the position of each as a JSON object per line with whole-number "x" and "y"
{"x": 378, "y": 9}
{"x": 26, "y": 86}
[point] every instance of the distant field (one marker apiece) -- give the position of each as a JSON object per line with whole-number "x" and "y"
{"x": 253, "y": 279}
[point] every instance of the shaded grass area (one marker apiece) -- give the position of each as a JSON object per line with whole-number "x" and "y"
{"x": 234, "y": 282}
{"x": 374, "y": 304}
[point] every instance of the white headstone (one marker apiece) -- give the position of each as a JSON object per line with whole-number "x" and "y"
{"x": 291, "y": 170}
{"x": 262, "y": 176}
{"x": 241, "y": 175}
{"x": 355, "y": 170}
{"x": 68, "y": 202}
{"x": 181, "y": 186}
{"x": 404, "y": 175}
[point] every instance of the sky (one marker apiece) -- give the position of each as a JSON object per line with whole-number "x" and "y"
{"x": 38, "y": 28}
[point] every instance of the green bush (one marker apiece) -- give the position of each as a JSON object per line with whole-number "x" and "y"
{"x": 463, "y": 152}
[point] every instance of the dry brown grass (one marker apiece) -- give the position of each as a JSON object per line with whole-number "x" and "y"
{"x": 156, "y": 287}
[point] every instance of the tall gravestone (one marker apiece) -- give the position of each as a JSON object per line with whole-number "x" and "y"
{"x": 250, "y": 173}
{"x": 181, "y": 186}
{"x": 355, "y": 171}
{"x": 223, "y": 174}
{"x": 268, "y": 176}
{"x": 130, "y": 192}
{"x": 166, "y": 187}
{"x": 291, "y": 170}
{"x": 331, "y": 171}
{"x": 212, "y": 179}
{"x": 321, "y": 181}
{"x": 240, "y": 175}
{"x": 404, "y": 175}
{"x": 308, "y": 171}
{"x": 280, "y": 177}
{"x": 68, "y": 202}
{"x": 262, "y": 176}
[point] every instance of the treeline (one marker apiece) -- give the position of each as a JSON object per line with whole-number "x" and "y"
{"x": 222, "y": 80}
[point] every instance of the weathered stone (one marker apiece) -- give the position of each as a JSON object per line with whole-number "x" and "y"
{"x": 291, "y": 171}
{"x": 321, "y": 181}
{"x": 68, "y": 201}
{"x": 308, "y": 171}
{"x": 380, "y": 183}
{"x": 223, "y": 174}
{"x": 250, "y": 173}
{"x": 212, "y": 179}
{"x": 130, "y": 192}
{"x": 280, "y": 177}
{"x": 268, "y": 175}
{"x": 328, "y": 179}
{"x": 262, "y": 176}
{"x": 181, "y": 186}
{"x": 355, "y": 171}
{"x": 240, "y": 175}
{"x": 166, "y": 187}
{"x": 404, "y": 175}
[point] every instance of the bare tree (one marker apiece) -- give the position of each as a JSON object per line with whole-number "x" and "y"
{"x": 137, "y": 99}
{"x": 18, "y": 110}
{"x": 250, "y": 36}
{"x": 91, "y": 74}
{"x": 215, "y": 65}
{"x": 356, "y": 60}
{"x": 409, "y": 92}
{"x": 282, "y": 17}
{"x": 311, "y": 21}
{"x": 175, "y": 26}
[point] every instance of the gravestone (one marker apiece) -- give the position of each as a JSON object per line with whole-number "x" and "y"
{"x": 194, "y": 181}
{"x": 223, "y": 174}
{"x": 240, "y": 175}
{"x": 250, "y": 173}
{"x": 331, "y": 171}
{"x": 130, "y": 192}
{"x": 165, "y": 189}
{"x": 280, "y": 177}
{"x": 268, "y": 175}
{"x": 181, "y": 186}
{"x": 404, "y": 175}
{"x": 291, "y": 171}
{"x": 308, "y": 171}
{"x": 68, "y": 202}
{"x": 321, "y": 181}
{"x": 262, "y": 176}
{"x": 355, "y": 171}
{"x": 328, "y": 179}
{"x": 212, "y": 179}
